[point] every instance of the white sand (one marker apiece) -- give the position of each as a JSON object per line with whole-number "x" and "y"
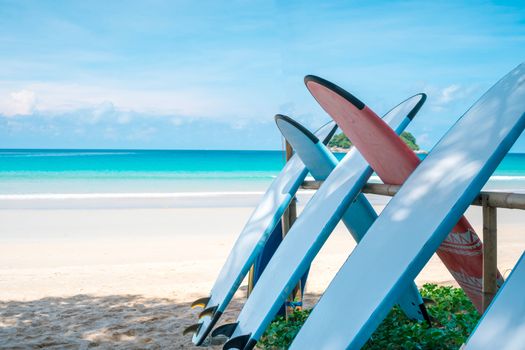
{"x": 124, "y": 278}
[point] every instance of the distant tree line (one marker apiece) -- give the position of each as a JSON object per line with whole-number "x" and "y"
{"x": 341, "y": 141}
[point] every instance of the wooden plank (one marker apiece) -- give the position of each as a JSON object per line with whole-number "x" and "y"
{"x": 507, "y": 200}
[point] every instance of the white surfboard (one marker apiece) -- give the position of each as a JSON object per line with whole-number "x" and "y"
{"x": 360, "y": 214}
{"x": 306, "y": 237}
{"x": 502, "y": 326}
{"x": 251, "y": 240}
{"x": 417, "y": 220}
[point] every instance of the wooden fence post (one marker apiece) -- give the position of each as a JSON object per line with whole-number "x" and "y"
{"x": 490, "y": 252}
{"x": 251, "y": 276}
{"x": 289, "y": 217}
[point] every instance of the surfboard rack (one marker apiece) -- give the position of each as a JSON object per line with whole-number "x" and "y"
{"x": 489, "y": 201}
{"x": 201, "y": 302}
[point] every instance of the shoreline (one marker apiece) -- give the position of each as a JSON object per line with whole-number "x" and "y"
{"x": 187, "y": 199}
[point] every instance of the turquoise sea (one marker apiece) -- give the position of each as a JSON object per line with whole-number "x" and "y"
{"x": 58, "y": 172}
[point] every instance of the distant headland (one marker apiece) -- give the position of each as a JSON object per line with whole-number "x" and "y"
{"x": 341, "y": 144}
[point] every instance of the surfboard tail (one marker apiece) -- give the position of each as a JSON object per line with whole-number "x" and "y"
{"x": 201, "y": 334}
{"x": 429, "y": 301}
{"x": 424, "y": 312}
{"x": 192, "y": 329}
{"x": 242, "y": 342}
{"x": 225, "y": 330}
{"x": 201, "y": 302}
{"x": 210, "y": 311}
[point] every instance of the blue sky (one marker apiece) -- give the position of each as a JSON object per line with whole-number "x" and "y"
{"x": 211, "y": 75}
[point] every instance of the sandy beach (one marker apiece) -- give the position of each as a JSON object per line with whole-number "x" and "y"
{"x": 124, "y": 277}
{"x": 138, "y": 137}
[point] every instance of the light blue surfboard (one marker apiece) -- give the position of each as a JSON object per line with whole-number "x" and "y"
{"x": 252, "y": 239}
{"x": 359, "y": 216}
{"x": 502, "y": 326}
{"x": 416, "y": 220}
{"x": 306, "y": 237}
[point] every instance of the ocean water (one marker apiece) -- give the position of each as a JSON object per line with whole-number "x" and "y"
{"x": 135, "y": 171}
{"x": 95, "y": 173}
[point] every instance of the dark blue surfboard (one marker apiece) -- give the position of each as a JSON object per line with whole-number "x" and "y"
{"x": 250, "y": 243}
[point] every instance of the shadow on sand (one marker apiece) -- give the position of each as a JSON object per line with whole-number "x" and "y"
{"x": 108, "y": 322}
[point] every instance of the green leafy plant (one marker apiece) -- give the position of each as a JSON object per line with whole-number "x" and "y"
{"x": 453, "y": 318}
{"x": 281, "y": 332}
{"x": 340, "y": 140}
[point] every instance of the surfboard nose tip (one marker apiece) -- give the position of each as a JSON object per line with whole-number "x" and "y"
{"x": 282, "y": 118}
{"x": 284, "y": 122}
{"x": 310, "y": 77}
{"x": 422, "y": 98}
{"x": 310, "y": 80}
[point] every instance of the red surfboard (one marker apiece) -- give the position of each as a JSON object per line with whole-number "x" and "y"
{"x": 394, "y": 161}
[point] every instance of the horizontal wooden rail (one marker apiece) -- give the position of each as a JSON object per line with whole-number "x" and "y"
{"x": 489, "y": 200}
{"x": 507, "y": 200}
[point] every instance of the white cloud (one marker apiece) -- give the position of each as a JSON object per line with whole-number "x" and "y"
{"x": 110, "y": 133}
{"x": 21, "y": 102}
{"x": 239, "y": 124}
{"x": 143, "y": 134}
{"x": 104, "y": 110}
{"x": 177, "y": 121}
{"x": 442, "y": 99}
{"x": 423, "y": 139}
{"x": 188, "y": 101}
{"x": 448, "y": 94}
{"x": 123, "y": 118}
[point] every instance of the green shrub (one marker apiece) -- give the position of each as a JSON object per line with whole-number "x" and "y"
{"x": 452, "y": 313}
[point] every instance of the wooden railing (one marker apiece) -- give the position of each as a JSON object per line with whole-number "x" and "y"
{"x": 490, "y": 201}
